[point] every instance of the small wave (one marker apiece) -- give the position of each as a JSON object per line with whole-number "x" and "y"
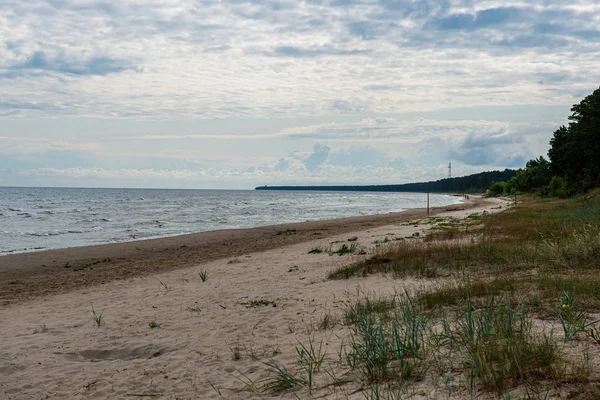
{"x": 24, "y": 215}
{"x": 64, "y": 232}
{"x": 15, "y": 209}
{"x": 92, "y": 220}
{"x": 47, "y": 212}
{"x": 41, "y": 234}
{"x": 25, "y": 250}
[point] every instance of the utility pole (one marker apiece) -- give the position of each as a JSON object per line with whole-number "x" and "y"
{"x": 449, "y": 170}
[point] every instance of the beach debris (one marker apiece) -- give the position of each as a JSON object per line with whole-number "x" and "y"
{"x": 416, "y": 234}
{"x": 353, "y": 239}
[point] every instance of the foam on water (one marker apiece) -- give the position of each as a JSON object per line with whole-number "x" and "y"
{"x": 48, "y": 218}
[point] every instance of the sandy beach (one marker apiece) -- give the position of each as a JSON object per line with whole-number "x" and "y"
{"x": 264, "y": 293}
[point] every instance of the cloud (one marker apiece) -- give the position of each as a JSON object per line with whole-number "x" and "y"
{"x": 234, "y": 59}
{"x": 388, "y": 88}
{"x": 500, "y": 148}
{"x": 293, "y": 51}
{"x": 350, "y": 158}
{"x": 345, "y": 106}
{"x": 388, "y": 129}
{"x": 397, "y": 163}
{"x": 357, "y": 156}
{"x": 366, "y": 156}
{"x": 282, "y": 165}
{"x": 317, "y": 158}
{"x": 49, "y": 163}
{"x": 92, "y": 66}
{"x": 369, "y": 30}
{"x": 212, "y": 178}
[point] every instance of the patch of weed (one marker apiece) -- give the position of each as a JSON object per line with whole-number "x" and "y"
{"x": 258, "y": 303}
{"x": 153, "y": 324}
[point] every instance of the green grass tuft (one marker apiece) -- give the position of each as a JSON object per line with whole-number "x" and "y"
{"x": 258, "y": 303}
{"x": 203, "y": 275}
{"x": 281, "y": 380}
{"x": 97, "y": 317}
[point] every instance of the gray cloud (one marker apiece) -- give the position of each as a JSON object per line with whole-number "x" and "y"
{"x": 92, "y": 66}
{"x": 294, "y": 51}
{"x": 370, "y": 30}
{"x": 351, "y": 157}
{"x": 500, "y": 148}
{"x": 361, "y": 156}
{"x": 25, "y": 106}
{"x": 317, "y": 158}
{"x": 282, "y": 165}
{"x": 219, "y": 59}
{"x": 483, "y": 19}
{"x": 345, "y": 106}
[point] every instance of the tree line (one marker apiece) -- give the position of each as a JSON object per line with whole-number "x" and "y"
{"x": 465, "y": 184}
{"x": 573, "y": 164}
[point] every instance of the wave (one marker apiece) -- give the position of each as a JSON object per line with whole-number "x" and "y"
{"x": 64, "y": 232}
{"x": 93, "y": 220}
{"x": 24, "y": 250}
{"x": 76, "y": 218}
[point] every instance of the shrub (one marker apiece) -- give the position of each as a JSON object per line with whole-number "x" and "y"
{"x": 558, "y": 187}
{"x": 497, "y": 188}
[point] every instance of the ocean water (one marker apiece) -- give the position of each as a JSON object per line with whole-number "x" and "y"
{"x": 33, "y": 219}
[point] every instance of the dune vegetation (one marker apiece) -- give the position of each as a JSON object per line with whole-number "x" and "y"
{"x": 512, "y": 311}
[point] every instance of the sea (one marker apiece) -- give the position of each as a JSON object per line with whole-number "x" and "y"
{"x": 34, "y": 219}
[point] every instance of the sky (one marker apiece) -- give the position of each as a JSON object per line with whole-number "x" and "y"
{"x": 241, "y": 93}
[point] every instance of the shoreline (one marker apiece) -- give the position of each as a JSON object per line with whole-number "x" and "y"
{"x": 32, "y": 274}
{"x": 51, "y": 234}
{"x": 159, "y": 237}
{"x": 166, "y": 331}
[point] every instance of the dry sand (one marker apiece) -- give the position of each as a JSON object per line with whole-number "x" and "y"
{"x": 51, "y": 347}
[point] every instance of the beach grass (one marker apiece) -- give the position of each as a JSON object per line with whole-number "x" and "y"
{"x": 258, "y": 303}
{"x": 541, "y": 236}
{"x": 511, "y": 313}
{"x": 153, "y": 324}
{"x": 345, "y": 249}
{"x": 203, "y": 275}
{"x": 98, "y": 317}
{"x": 316, "y": 250}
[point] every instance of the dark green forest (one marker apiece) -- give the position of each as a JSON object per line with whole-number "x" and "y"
{"x": 466, "y": 184}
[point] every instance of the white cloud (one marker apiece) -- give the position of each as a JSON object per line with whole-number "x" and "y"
{"x": 220, "y": 91}
{"x": 247, "y": 58}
